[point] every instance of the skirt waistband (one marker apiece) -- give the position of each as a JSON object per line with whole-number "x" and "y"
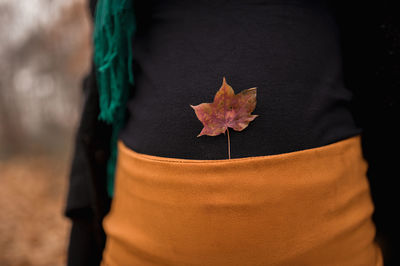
{"x": 309, "y": 207}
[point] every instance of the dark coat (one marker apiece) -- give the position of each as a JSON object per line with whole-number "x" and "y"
{"x": 371, "y": 58}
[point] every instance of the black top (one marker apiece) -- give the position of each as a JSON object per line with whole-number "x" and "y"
{"x": 289, "y": 50}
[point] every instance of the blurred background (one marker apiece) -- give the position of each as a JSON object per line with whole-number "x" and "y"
{"x": 45, "y": 51}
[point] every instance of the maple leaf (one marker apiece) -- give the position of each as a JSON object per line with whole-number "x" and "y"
{"x": 227, "y": 110}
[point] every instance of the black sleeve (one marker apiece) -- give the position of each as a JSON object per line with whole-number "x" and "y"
{"x": 381, "y": 139}
{"x": 84, "y": 248}
{"x": 371, "y": 47}
{"x": 87, "y": 201}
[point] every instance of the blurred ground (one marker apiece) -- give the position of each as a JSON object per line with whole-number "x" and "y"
{"x": 32, "y": 228}
{"x": 45, "y": 50}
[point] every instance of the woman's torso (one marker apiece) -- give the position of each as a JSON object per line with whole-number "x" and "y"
{"x": 289, "y": 50}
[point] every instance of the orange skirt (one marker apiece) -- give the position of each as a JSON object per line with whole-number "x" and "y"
{"x": 308, "y": 207}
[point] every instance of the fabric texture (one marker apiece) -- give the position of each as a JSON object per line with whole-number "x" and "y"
{"x": 309, "y": 207}
{"x": 114, "y": 28}
{"x": 288, "y": 49}
{"x": 87, "y": 199}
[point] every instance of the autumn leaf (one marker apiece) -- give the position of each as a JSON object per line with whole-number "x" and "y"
{"x": 227, "y": 110}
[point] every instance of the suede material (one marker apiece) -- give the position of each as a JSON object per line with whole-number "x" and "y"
{"x": 309, "y": 207}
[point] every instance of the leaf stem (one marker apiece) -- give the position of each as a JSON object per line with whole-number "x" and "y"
{"x": 229, "y": 144}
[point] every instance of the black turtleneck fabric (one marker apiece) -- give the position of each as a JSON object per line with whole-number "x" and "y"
{"x": 290, "y": 50}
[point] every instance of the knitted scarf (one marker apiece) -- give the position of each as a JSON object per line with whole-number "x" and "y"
{"x": 114, "y": 27}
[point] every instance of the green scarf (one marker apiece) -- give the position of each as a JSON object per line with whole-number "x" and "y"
{"x": 114, "y": 27}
